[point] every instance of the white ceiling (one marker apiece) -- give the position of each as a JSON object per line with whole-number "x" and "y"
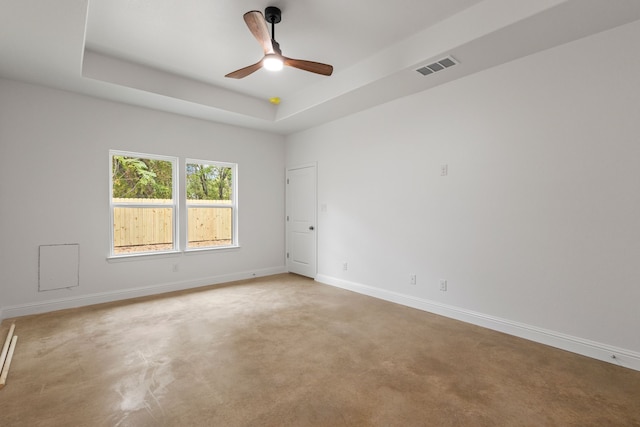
{"x": 172, "y": 55}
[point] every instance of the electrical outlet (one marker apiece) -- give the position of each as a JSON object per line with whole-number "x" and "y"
{"x": 443, "y": 285}
{"x": 444, "y": 170}
{"x": 412, "y": 279}
{"x": 345, "y": 266}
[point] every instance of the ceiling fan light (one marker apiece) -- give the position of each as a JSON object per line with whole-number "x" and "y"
{"x": 272, "y": 62}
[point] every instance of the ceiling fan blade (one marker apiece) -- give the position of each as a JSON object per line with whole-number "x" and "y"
{"x": 314, "y": 67}
{"x": 258, "y": 27}
{"x": 244, "y": 72}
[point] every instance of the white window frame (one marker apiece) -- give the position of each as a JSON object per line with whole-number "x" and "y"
{"x": 174, "y": 205}
{"x": 234, "y": 204}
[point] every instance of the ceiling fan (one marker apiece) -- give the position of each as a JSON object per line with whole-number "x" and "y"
{"x": 273, "y": 58}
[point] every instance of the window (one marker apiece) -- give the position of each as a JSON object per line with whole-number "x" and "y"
{"x": 211, "y": 204}
{"x": 142, "y": 203}
{"x": 145, "y": 204}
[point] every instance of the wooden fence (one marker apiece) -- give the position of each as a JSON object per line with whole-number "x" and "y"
{"x": 136, "y": 226}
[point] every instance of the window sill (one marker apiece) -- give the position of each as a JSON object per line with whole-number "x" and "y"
{"x": 192, "y": 251}
{"x": 141, "y": 256}
{"x": 169, "y": 254}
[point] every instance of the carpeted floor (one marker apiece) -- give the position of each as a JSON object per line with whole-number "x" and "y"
{"x": 286, "y": 351}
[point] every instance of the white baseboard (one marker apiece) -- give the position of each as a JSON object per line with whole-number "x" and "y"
{"x": 99, "y": 298}
{"x": 595, "y": 350}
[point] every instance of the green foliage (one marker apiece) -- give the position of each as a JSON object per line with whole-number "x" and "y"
{"x": 207, "y": 182}
{"x": 137, "y": 178}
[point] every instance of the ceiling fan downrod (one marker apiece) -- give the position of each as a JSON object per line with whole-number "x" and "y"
{"x": 274, "y": 16}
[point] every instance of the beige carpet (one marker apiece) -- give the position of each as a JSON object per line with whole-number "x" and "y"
{"x": 286, "y": 351}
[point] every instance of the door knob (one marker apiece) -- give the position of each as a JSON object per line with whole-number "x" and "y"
{"x": 311, "y": 227}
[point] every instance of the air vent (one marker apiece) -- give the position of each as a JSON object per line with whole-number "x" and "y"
{"x": 437, "y": 66}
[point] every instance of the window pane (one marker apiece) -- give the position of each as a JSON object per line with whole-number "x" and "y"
{"x": 211, "y": 205}
{"x": 209, "y": 227}
{"x": 209, "y": 182}
{"x": 140, "y": 229}
{"x": 139, "y": 184}
{"x": 140, "y": 178}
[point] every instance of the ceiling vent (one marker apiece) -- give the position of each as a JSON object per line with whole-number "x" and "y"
{"x": 440, "y": 65}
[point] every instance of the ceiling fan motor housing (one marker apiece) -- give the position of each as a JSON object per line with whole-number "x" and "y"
{"x": 272, "y": 14}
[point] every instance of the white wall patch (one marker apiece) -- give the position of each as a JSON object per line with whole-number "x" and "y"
{"x": 59, "y": 267}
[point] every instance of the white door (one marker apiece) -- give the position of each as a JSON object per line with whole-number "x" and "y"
{"x": 301, "y": 220}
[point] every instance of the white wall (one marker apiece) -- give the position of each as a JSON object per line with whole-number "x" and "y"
{"x": 536, "y": 227}
{"x": 54, "y": 171}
